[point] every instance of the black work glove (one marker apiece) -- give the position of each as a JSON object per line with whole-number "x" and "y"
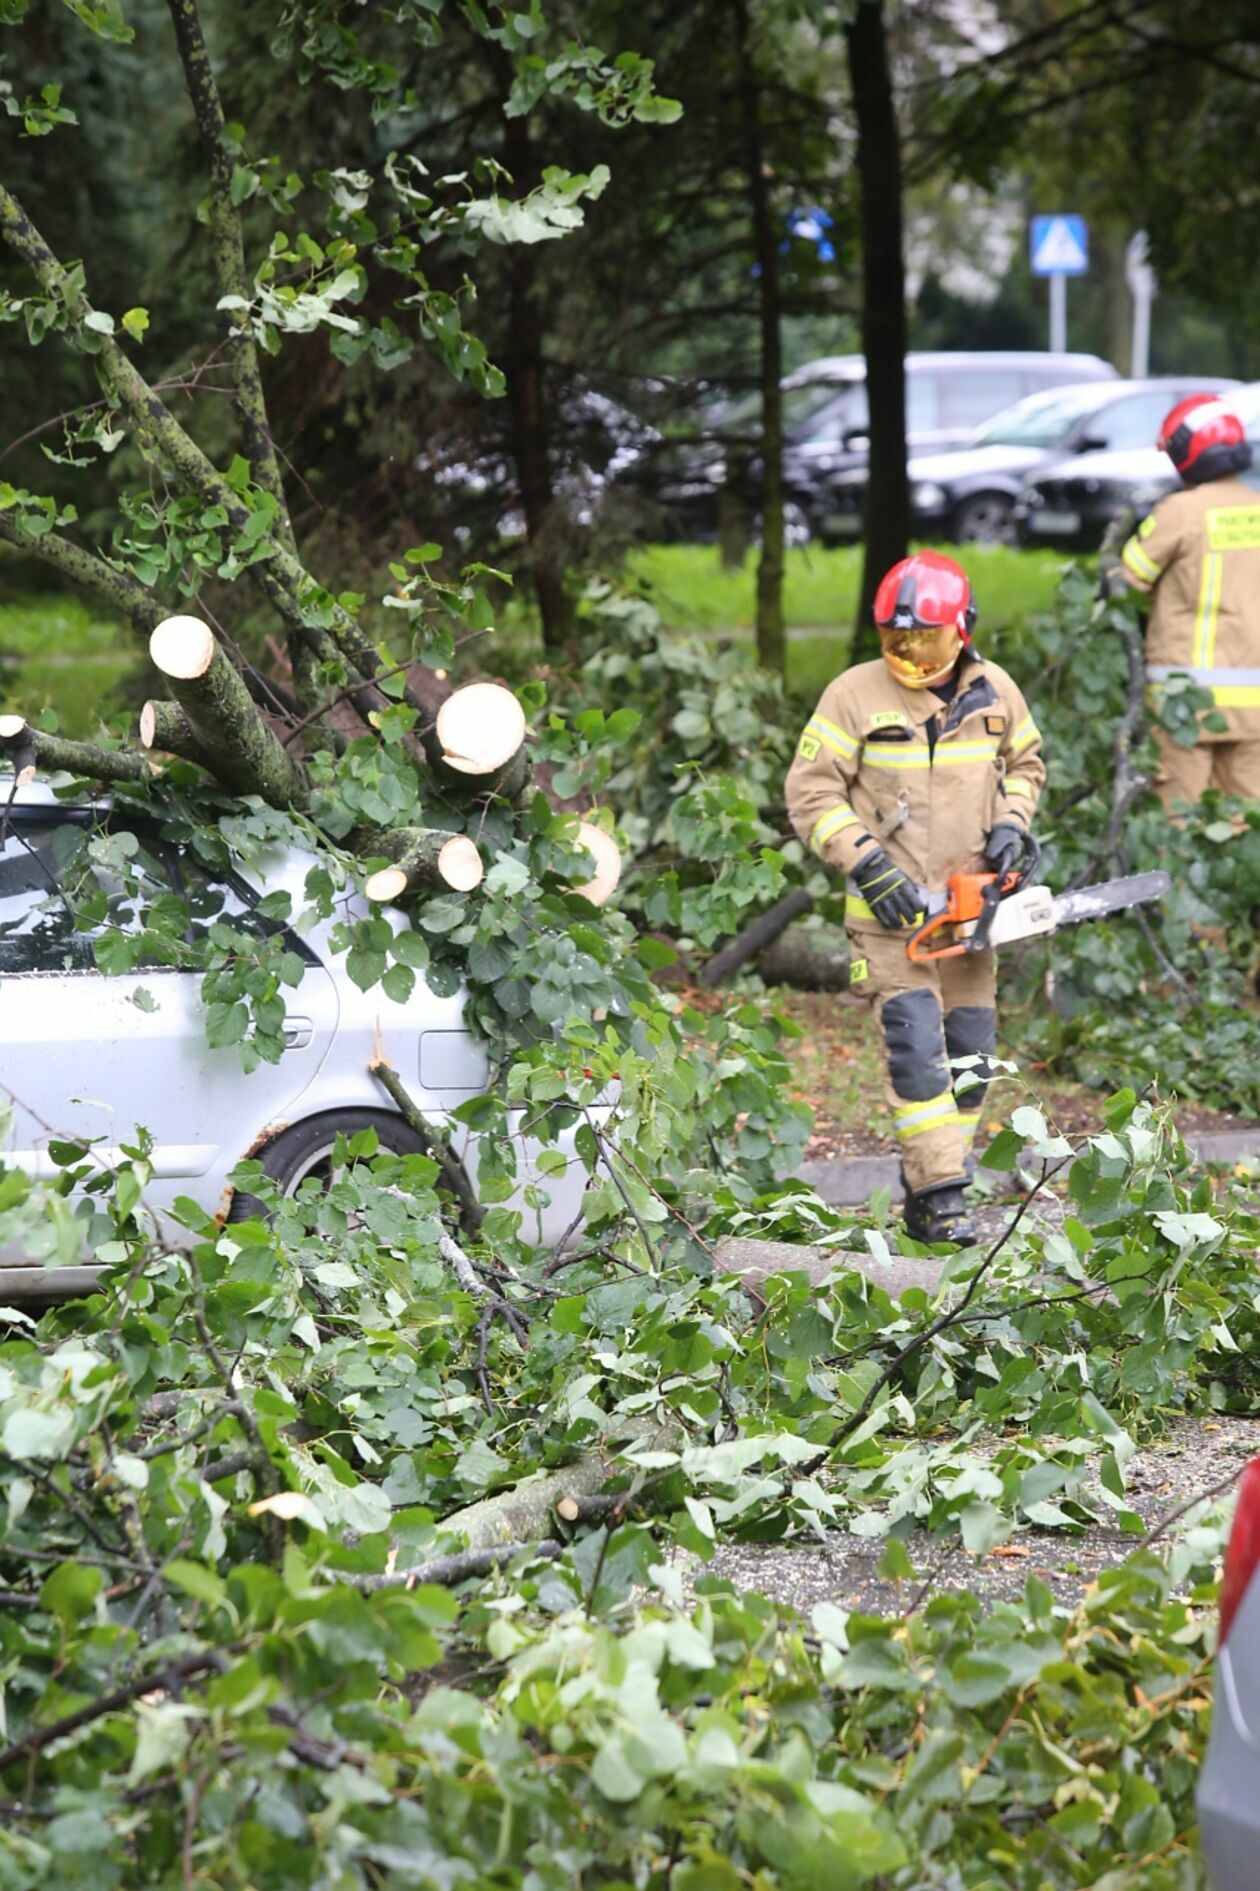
{"x": 890, "y": 894}
{"x": 1004, "y": 847}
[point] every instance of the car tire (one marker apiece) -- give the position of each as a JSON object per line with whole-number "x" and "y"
{"x": 987, "y": 518}
{"x": 300, "y": 1150}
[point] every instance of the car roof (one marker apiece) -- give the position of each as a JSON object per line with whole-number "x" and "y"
{"x": 853, "y": 367}
{"x": 34, "y": 794}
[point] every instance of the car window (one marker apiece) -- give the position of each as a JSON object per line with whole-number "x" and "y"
{"x": 65, "y": 885}
{"x": 1039, "y": 420}
{"x": 1133, "y": 422}
{"x": 923, "y": 403}
{"x": 972, "y": 396}
{"x": 824, "y": 424}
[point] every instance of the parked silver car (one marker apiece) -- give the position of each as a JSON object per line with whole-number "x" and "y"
{"x": 86, "y": 1056}
{"x": 1229, "y": 1785}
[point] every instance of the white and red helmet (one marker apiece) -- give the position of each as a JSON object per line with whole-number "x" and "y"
{"x": 925, "y": 616}
{"x": 1204, "y": 439}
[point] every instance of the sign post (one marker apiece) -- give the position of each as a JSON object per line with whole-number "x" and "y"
{"x": 1142, "y": 283}
{"x": 1058, "y": 248}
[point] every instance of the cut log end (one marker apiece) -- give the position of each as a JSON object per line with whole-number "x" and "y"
{"x": 11, "y": 727}
{"x": 148, "y": 725}
{"x": 182, "y": 647}
{"x": 480, "y": 728}
{"x": 568, "y": 1510}
{"x": 460, "y": 864}
{"x": 605, "y": 856}
{"x": 457, "y": 865}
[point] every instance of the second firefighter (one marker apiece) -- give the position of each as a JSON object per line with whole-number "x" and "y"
{"x": 920, "y": 765}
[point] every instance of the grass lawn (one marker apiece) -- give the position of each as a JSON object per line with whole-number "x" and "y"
{"x": 59, "y": 655}
{"x": 693, "y": 592}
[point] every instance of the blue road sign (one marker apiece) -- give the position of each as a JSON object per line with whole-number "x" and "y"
{"x": 811, "y": 225}
{"x": 1059, "y": 246}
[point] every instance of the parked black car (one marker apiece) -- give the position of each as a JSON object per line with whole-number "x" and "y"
{"x": 826, "y": 423}
{"x": 1068, "y": 504}
{"x": 972, "y": 496}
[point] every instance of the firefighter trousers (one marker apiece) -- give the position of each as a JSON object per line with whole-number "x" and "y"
{"x": 1185, "y": 775}
{"x": 938, "y": 1026}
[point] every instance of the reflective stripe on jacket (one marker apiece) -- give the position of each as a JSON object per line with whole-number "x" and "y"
{"x": 865, "y": 774}
{"x": 1198, "y": 551}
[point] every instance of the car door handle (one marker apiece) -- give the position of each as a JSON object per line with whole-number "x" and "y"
{"x": 298, "y": 1033}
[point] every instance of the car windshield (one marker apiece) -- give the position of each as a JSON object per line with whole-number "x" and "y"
{"x": 1041, "y": 419}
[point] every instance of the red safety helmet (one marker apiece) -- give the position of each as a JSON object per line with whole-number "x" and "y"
{"x": 1204, "y": 439}
{"x": 925, "y": 616}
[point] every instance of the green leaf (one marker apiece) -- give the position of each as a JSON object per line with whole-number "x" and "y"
{"x": 136, "y": 323}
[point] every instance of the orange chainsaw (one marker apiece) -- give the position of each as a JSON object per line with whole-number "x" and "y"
{"x": 979, "y": 910}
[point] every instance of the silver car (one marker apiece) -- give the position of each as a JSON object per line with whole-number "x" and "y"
{"x": 1229, "y": 1786}
{"x": 92, "y": 1057}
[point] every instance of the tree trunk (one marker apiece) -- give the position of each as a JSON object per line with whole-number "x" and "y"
{"x": 806, "y": 960}
{"x": 771, "y": 643}
{"x": 524, "y": 365}
{"x": 883, "y": 308}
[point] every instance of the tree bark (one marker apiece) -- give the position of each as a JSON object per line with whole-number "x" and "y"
{"x": 771, "y": 641}
{"x": 755, "y": 937}
{"x": 28, "y": 749}
{"x": 883, "y": 308}
{"x": 525, "y": 367}
{"x": 805, "y": 960}
{"x": 165, "y": 726}
{"x": 237, "y": 744}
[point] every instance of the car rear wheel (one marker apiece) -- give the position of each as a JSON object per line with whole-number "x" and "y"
{"x": 306, "y": 1149}
{"x": 987, "y": 518}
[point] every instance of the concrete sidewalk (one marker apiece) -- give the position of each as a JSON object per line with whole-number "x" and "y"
{"x": 850, "y": 1181}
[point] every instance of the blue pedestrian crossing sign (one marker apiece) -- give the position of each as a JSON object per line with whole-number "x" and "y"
{"x": 1059, "y": 246}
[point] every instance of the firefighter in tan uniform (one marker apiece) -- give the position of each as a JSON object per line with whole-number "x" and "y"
{"x": 1198, "y": 553}
{"x": 920, "y": 765}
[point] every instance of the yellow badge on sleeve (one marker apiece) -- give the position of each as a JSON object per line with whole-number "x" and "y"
{"x": 807, "y": 747}
{"x": 1147, "y": 526}
{"x": 859, "y": 971}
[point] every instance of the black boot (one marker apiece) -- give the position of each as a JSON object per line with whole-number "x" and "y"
{"x": 939, "y": 1213}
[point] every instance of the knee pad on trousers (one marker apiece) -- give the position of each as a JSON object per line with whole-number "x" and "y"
{"x": 915, "y": 1042}
{"x": 971, "y": 1031}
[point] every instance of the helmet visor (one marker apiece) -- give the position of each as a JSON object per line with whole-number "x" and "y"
{"x": 920, "y": 653}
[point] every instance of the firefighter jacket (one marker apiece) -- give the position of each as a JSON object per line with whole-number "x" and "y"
{"x": 1198, "y": 551}
{"x": 880, "y": 765}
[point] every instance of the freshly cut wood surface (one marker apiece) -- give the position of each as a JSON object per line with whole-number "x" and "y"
{"x": 480, "y": 728}
{"x": 182, "y": 647}
{"x": 606, "y": 857}
{"x": 424, "y": 859}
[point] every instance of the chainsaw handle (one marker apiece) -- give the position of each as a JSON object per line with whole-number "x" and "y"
{"x": 918, "y": 950}
{"x": 916, "y": 944}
